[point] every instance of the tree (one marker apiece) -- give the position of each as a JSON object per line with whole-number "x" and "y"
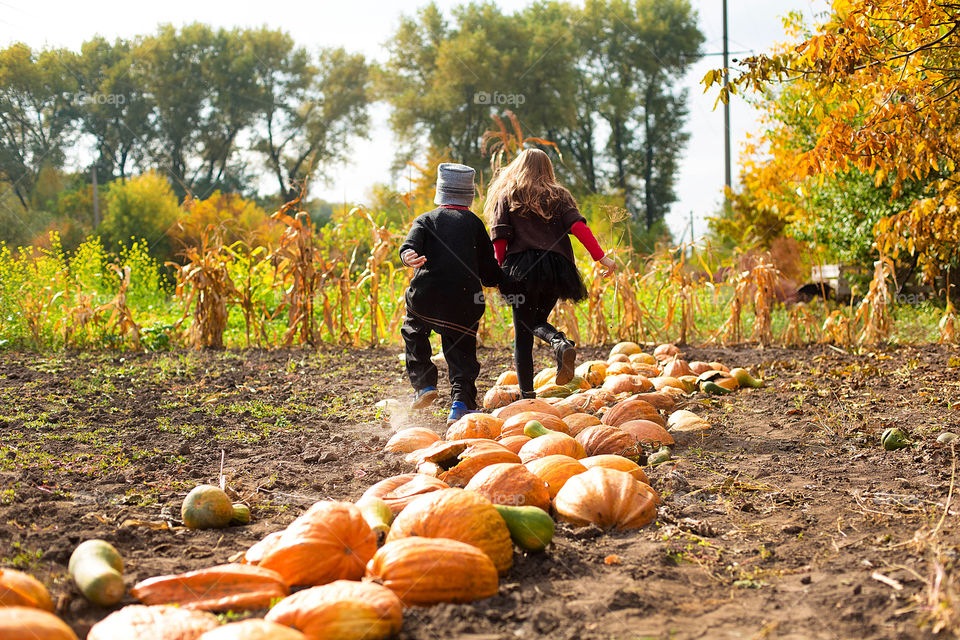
{"x": 144, "y": 207}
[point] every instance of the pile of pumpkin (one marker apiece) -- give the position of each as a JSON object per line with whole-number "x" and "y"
{"x": 443, "y": 534}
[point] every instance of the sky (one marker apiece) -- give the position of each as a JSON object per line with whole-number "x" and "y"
{"x": 365, "y": 25}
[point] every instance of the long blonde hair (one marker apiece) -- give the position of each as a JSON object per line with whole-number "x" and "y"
{"x": 527, "y": 184}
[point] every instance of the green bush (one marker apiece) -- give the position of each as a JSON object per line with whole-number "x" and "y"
{"x": 141, "y": 207}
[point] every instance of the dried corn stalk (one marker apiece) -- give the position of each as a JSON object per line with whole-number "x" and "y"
{"x": 204, "y": 284}
{"x": 874, "y": 309}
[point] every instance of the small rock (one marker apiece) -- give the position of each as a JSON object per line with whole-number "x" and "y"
{"x": 587, "y": 532}
{"x": 310, "y": 456}
{"x": 791, "y": 529}
{"x": 946, "y": 437}
{"x": 675, "y": 482}
{"x": 184, "y": 449}
{"x": 328, "y": 456}
{"x": 628, "y": 598}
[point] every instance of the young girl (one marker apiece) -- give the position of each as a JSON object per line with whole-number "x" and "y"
{"x": 531, "y": 216}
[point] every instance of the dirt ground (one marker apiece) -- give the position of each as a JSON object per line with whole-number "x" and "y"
{"x": 787, "y": 521}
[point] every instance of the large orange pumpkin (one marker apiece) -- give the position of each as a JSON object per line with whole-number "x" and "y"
{"x": 507, "y": 377}
{"x": 398, "y": 491}
{"x": 627, "y": 383}
{"x": 551, "y": 444}
{"x": 603, "y": 439}
{"x": 342, "y": 610}
{"x": 220, "y": 588}
{"x": 253, "y": 629}
{"x": 19, "y": 589}
{"x": 606, "y": 498}
{"x": 513, "y": 426}
{"x": 473, "y": 459}
{"x": 475, "y": 425}
{"x": 577, "y": 422}
{"x": 31, "y": 623}
{"x": 526, "y": 404}
{"x": 511, "y": 484}
{"x": 630, "y": 410}
{"x": 501, "y": 396}
{"x": 412, "y": 439}
{"x": 514, "y": 443}
{"x": 647, "y": 432}
{"x": 425, "y": 571}
{"x": 661, "y": 400}
{"x": 616, "y": 462}
{"x": 564, "y": 407}
{"x": 618, "y": 369}
{"x": 555, "y": 470}
{"x": 159, "y": 622}
{"x": 459, "y": 515}
{"x": 665, "y": 352}
{"x": 330, "y": 541}
{"x": 593, "y": 371}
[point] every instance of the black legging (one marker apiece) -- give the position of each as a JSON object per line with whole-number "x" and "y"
{"x": 529, "y": 320}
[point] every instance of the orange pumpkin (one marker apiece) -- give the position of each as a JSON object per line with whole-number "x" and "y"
{"x": 606, "y": 498}
{"x": 618, "y": 369}
{"x": 343, "y": 609}
{"x": 699, "y": 366}
{"x": 514, "y": 443}
{"x": 398, "y": 491}
{"x": 646, "y": 370}
{"x": 459, "y": 515}
{"x": 513, "y": 426}
{"x": 565, "y": 407}
{"x": 545, "y": 377}
{"x": 220, "y": 588}
{"x": 647, "y": 432}
{"x": 618, "y": 357}
{"x": 555, "y": 470}
{"x": 661, "y": 400}
{"x": 719, "y": 366}
{"x": 577, "y": 422}
{"x": 676, "y": 367}
{"x": 526, "y": 404}
{"x": 330, "y": 541}
{"x": 511, "y": 484}
{"x": 616, "y": 462}
{"x": 507, "y": 377}
{"x": 630, "y": 410}
{"x": 159, "y": 622}
{"x": 666, "y": 351}
{"x": 642, "y": 358}
{"x": 501, "y": 396}
{"x": 603, "y": 439}
{"x": 425, "y": 571}
{"x": 627, "y": 383}
{"x": 661, "y": 382}
{"x": 253, "y": 629}
{"x": 593, "y": 371}
{"x": 475, "y": 425}
{"x": 19, "y": 589}
{"x": 473, "y": 459}
{"x": 551, "y": 444}
{"x": 412, "y": 439}
{"x": 626, "y": 348}
{"x": 31, "y": 623}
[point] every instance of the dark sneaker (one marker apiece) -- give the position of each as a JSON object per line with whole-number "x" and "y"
{"x": 457, "y": 410}
{"x": 566, "y": 358}
{"x": 424, "y": 398}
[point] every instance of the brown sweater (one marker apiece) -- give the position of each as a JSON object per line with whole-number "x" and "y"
{"x": 524, "y": 230}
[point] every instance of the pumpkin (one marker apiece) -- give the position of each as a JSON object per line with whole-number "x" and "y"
{"x": 719, "y": 366}
{"x": 526, "y": 404}
{"x": 398, "y": 491}
{"x": 19, "y": 589}
{"x": 661, "y": 400}
{"x": 506, "y": 378}
{"x": 647, "y": 432}
{"x": 330, "y": 541}
{"x": 160, "y": 622}
{"x": 603, "y": 439}
{"x": 424, "y": 571}
{"x": 554, "y": 391}
{"x": 660, "y": 382}
{"x": 665, "y": 351}
{"x": 97, "y": 568}
{"x": 473, "y": 459}
{"x": 699, "y": 366}
{"x": 513, "y": 426}
{"x": 626, "y": 383}
{"x": 675, "y": 367}
{"x": 577, "y": 422}
{"x": 551, "y": 444}
{"x": 744, "y": 379}
{"x": 31, "y": 623}
{"x": 619, "y": 368}
{"x": 555, "y": 470}
{"x": 593, "y": 371}
{"x": 253, "y": 629}
{"x": 241, "y": 514}
{"x": 685, "y": 426}
{"x": 475, "y": 425}
{"x": 646, "y": 370}
{"x": 457, "y": 514}
{"x": 620, "y": 357}
{"x": 378, "y": 515}
{"x": 626, "y": 348}
{"x": 341, "y": 610}
{"x": 411, "y": 439}
{"x": 219, "y": 588}
{"x": 510, "y": 484}
{"x": 501, "y": 396}
{"x": 643, "y": 358}
{"x": 565, "y": 407}
{"x": 606, "y": 498}
{"x": 616, "y": 462}
{"x": 545, "y": 377}
{"x": 514, "y": 443}
{"x": 630, "y": 410}
{"x": 531, "y": 528}
{"x": 206, "y": 507}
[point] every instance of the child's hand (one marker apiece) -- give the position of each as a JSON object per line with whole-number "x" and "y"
{"x": 609, "y": 265}
{"x": 411, "y": 259}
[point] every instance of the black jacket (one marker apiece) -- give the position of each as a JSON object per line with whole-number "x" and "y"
{"x": 460, "y": 262}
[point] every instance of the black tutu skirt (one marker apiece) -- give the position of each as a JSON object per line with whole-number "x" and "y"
{"x": 548, "y": 272}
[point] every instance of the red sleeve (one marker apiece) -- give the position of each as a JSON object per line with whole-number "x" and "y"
{"x": 582, "y": 233}
{"x": 500, "y": 249}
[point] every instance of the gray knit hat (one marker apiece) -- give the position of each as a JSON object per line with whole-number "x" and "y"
{"x": 454, "y": 184}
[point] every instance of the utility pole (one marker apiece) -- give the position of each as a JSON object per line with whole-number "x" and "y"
{"x": 726, "y": 116}
{"x": 96, "y": 197}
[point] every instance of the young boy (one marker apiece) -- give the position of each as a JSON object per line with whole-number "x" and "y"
{"x": 453, "y": 257}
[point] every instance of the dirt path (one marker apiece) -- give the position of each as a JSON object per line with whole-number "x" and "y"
{"x": 787, "y": 521}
